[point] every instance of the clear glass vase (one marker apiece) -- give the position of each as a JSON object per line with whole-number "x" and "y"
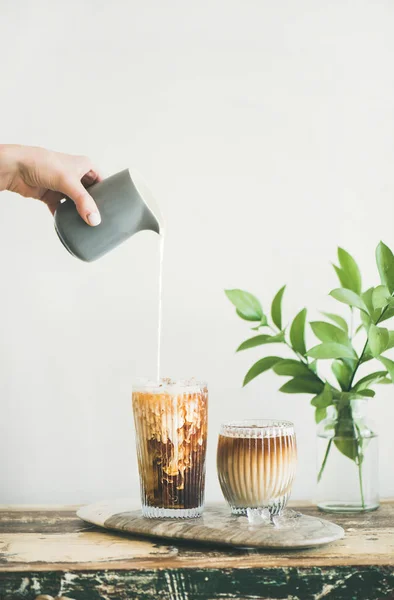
{"x": 348, "y": 469}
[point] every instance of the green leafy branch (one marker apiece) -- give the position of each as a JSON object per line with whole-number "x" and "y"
{"x": 336, "y": 343}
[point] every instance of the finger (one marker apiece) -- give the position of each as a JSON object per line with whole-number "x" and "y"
{"x": 84, "y": 202}
{"x": 52, "y": 200}
{"x": 88, "y": 169}
{"x": 90, "y": 178}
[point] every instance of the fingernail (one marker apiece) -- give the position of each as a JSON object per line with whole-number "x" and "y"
{"x": 94, "y": 219}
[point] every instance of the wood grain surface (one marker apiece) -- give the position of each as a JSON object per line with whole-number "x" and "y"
{"x": 52, "y": 552}
{"x": 217, "y": 526}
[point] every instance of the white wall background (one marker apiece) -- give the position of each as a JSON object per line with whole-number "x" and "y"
{"x": 266, "y": 131}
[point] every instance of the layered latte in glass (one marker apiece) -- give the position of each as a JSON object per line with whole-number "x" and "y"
{"x": 171, "y": 433}
{"x": 256, "y": 463}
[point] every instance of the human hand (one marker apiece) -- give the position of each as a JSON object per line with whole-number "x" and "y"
{"x": 50, "y": 176}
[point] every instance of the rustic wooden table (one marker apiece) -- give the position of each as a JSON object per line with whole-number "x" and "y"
{"x": 48, "y": 552}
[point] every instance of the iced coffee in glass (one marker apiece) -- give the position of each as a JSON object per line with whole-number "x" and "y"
{"x": 171, "y": 434}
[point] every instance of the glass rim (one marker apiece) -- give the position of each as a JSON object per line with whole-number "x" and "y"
{"x": 257, "y": 428}
{"x": 166, "y": 384}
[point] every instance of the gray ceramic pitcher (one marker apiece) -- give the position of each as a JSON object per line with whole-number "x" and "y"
{"x": 126, "y": 206}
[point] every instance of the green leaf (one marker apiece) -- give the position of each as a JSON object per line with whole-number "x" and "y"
{"x": 326, "y": 332}
{"x": 247, "y": 318}
{"x": 292, "y": 368}
{"x": 345, "y": 438}
{"x": 323, "y": 399}
{"x": 260, "y": 366}
{"x": 341, "y": 276}
{"x": 370, "y": 379}
{"x": 297, "y": 332}
{"x": 350, "y": 273}
{"x": 351, "y": 362}
{"x": 385, "y": 263}
{"x": 340, "y": 321}
{"x": 276, "y": 308}
{"x": 302, "y": 385}
{"x": 366, "y": 320}
{"x": 367, "y": 354}
{"x": 378, "y": 338}
{"x": 349, "y": 297}
{"x": 259, "y": 340}
{"x": 248, "y": 306}
{"x": 342, "y": 372}
{"x": 374, "y": 314}
{"x": 366, "y": 393}
{"x": 347, "y": 445}
{"x": 331, "y": 350}
{"x": 320, "y": 414}
{"x": 367, "y": 297}
{"x": 389, "y": 364}
{"x": 390, "y": 343}
{"x": 380, "y": 297}
{"x": 388, "y": 314}
{"x": 263, "y": 322}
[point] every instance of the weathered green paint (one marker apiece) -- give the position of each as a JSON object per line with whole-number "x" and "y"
{"x": 315, "y": 583}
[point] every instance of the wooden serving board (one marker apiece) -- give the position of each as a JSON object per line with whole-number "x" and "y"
{"x": 217, "y": 525}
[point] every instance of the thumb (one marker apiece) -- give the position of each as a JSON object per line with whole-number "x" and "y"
{"x": 86, "y": 206}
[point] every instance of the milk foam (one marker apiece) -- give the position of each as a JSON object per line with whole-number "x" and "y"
{"x": 168, "y": 386}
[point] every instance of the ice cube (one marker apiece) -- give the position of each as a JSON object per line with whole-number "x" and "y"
{"x": 258, "y": 516}
{"x": 287, "y": 518}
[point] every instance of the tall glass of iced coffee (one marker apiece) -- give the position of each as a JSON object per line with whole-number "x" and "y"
{"x": 171, "y": 434}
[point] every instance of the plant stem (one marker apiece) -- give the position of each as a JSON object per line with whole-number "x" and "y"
{"x": 360, "y": 464}
{"x": 351, "y": 323}
{"x": 358, "y": 363}
{"x": 324, "y": 460}
{"x": 298, "y": 355}
{"x": 360, "y": 478}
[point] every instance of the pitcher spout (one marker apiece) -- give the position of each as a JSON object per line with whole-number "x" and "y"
{"x": 156, "y": 222}
{"x": 126, "y": 207}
